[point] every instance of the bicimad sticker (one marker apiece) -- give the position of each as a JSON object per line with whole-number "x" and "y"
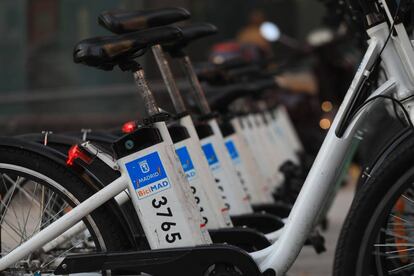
{"x": 147, "y": 174}
{"x": 234, "y": 154}
{"x": 186, "y": 163}
{"x": 211, "y": 156}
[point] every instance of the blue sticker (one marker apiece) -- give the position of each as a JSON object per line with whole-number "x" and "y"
{"x": 231, "y": 148}
{"x": 185, "y": 159}
{"x": 186, "y": 162}
{"x": 147, "y": 174}
{"x": 210, "y": 154}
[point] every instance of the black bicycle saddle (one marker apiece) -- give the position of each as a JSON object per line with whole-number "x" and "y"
{"x": 104, "y": 52}
{"x": 190, "y": 33}
{"x": 121, "y": 22}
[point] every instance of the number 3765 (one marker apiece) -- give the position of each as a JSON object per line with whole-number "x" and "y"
{"x": 166, "y": 226}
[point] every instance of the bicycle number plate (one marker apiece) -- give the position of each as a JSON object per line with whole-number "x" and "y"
{"x": 148, "y": 175}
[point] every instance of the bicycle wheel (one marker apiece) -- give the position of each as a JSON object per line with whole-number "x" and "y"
{"x": 35, "y": 192}
{"x": 378, "y": 234}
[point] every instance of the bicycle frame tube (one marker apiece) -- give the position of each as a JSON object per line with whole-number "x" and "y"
{"x": 323, "y": 174}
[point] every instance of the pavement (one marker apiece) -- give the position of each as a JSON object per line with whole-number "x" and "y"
{"x": 311, "y": 264}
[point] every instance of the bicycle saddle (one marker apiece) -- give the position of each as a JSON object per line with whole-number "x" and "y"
{"x": 104, "y": 52}
{"x": 190, "y": 33}
{"x": 120, "y": 22}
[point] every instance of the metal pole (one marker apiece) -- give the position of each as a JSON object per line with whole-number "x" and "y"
{"x": 198, "y": 91}
{"x": 149, "y": 100}
{"x": 168, "y": 78}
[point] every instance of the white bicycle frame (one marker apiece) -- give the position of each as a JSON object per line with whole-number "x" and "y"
{"x": 321, "y": 178}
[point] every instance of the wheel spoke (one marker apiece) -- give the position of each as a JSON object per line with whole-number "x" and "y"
{"x": 388, "y": 232}
{"x": 404, "y": 268}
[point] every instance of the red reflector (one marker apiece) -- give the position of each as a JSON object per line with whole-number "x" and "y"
{"x": 129, "y": 127}
{"x": 76, "y": 152}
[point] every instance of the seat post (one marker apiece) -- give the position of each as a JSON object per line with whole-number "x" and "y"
{"x": 168, "y": 78}
{"x": 195, "y": 84}
{"x": 147, "y": 96}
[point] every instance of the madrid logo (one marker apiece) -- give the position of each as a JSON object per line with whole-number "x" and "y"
{"x": 144, "y": 166}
